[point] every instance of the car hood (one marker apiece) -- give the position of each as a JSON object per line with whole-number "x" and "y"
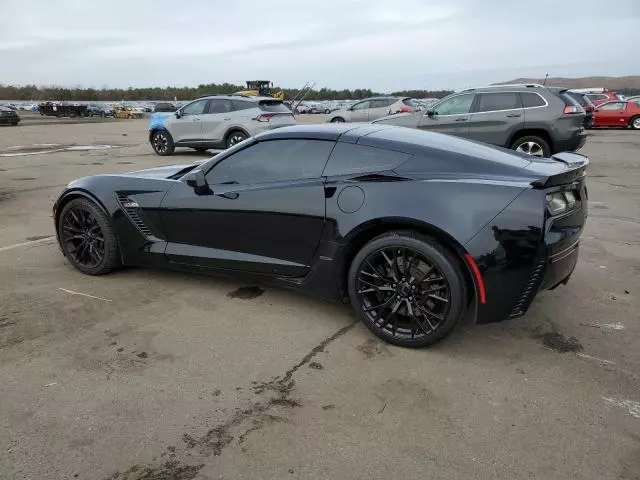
{"x": 169, "y": 171}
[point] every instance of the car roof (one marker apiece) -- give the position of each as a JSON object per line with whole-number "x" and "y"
{"x": 230, "y": 96}
{"x": 518, "y": 87}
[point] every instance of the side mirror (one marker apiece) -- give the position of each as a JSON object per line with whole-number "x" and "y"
{"x": 178, "y": 113}
{"x": 198, "y": 182}
{"x": 431, "y": 113}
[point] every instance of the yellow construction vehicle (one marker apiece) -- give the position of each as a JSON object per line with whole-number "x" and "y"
{"x": 262, "y": 88}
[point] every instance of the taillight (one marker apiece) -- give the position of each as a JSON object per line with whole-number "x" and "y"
{"x": 573, "y": 109}
{"x": 265, "y": 117}
{"x": 406, "y": 109}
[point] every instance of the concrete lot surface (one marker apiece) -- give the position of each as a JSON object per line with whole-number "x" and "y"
{"x": 164, "y": 375}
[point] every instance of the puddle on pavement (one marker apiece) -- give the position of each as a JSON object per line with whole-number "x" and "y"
{"x": 44, "y": 148}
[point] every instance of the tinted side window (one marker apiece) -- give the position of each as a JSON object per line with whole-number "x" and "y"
{"x": 490, "y": 102}
{"x": 349, "y": 158}
{"x": 195, "y": 108}
{"x": 530, "y": 100}
{"x": 218, "y": 105}
{"x": 242, "y": 105}
{"x": 597, "y": 96}
{"x": 273, "y": 161}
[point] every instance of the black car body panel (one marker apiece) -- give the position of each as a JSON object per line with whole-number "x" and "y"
{"x": 8, "y": 116}
{"x": 486, "y": 204}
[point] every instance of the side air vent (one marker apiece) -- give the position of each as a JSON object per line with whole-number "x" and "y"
{"x": 529, "y": 291}
{"x": 132, "y": 209}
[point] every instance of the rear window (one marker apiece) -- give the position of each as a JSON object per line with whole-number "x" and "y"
{"x": 491, "y": 102}
{"x": 568, "y": 100}
{"x": 597, "y": 96}
{"x": 273, "y": 106}
{"x": 530, "y": 100}
{"x": 349, "y": 158}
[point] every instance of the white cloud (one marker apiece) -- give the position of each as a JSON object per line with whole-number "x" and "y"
{"x": 380, "y": 44}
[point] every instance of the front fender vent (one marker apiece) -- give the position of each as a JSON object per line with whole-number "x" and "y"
{"x": 132, "y": 209}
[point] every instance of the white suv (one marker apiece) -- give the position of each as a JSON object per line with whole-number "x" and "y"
{"x": 216, "y": 121}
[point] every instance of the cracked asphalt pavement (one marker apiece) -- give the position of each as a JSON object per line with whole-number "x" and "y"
{"x": 146, "y": 374}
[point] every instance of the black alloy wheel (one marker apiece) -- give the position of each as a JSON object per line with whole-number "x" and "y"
{"x": 162, "y": 143}
{"x": 407, "y": 289}
{"x": 87, "y": 238}
{"x": 235, "y": 137}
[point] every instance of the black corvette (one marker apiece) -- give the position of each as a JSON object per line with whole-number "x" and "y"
{"x": 411, "y": 227}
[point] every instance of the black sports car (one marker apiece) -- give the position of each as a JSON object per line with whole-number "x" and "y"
{"x": 411, "y": 227}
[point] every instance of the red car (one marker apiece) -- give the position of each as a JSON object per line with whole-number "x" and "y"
{"x": 617, "y": 114}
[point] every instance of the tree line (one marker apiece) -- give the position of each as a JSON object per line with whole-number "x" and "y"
{"x": 42, "y": 93}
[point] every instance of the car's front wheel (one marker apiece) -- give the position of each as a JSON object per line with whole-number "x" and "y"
{"x": 337, "y": 120}
{"x": 407, "y": 288}
{"x": 162, "y": 143}
{"x": 532, "y": 145}
{"x": 87, "y": 237}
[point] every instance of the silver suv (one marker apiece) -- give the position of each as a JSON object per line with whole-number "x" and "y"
{"x": 216, "y": 121}
{"x": 529, "y": 118}
{"x": 371, "y": 109}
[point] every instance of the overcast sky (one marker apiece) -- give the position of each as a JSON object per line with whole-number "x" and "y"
{"x": 380, "y": 44}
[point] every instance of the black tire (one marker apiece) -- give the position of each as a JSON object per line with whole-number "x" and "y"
{"x": 162, "y": 143}
{"x": 15, "y": 124}
{"x": 634, "y": 123}
{"x": 234, "y": 137}
{"x": 532, "y": 145}
{"x": 200, "y": 149}
{"x": 439, "y": 268}
{"x": 337, "y": 120}
{"x": 109, "y": 257}
{"x": 327, "y": 111}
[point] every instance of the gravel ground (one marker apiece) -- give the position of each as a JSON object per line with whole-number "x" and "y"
{"x": 164, "y": 375}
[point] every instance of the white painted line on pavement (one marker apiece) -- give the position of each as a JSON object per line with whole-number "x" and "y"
{"x": 84, "y": 294}
{"x": 26, "y": 244}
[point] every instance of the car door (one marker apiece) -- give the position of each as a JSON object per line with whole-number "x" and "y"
{"x": 450, "y": 116}
{"x": 216, "y": 119}
{"x": 611, "y": 114}
{"x": 379, "y": 108}
{"x": 359, "y": 112}
{"x": 263, "y": 210}
{"x": 496, "y": 116}
{"x": 187, "y": 125}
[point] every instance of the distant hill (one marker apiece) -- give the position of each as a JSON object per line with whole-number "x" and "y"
{"x": 612, "y": 83}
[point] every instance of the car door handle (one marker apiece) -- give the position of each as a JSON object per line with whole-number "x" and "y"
{"x": 514, "y": 115}
{"x": 462, "y": 119}
{"x": 227, "y": 118}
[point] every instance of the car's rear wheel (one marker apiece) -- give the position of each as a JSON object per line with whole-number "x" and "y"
{"x": 162, "y": 143}
{"x": 337, "y": 120}
{"x": 407, "y": 288}
{"x": 87, "y": 237}
{"x": 235, "y": 137}
{"x": 532, "y": 145}
{"x": 635, "y": 123}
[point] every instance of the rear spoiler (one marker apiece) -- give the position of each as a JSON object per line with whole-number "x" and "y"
{"x": 576, "y": 166}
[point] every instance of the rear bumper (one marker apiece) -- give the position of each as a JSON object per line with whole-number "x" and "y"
{"x": 571, "y": 144}
{"x": 6, "y": 120}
